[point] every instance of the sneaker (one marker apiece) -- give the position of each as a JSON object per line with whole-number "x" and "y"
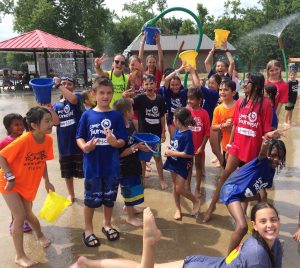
{"x": 26, "y": 227}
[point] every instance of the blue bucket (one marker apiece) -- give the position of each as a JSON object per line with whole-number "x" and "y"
{"x": 151, "y": 141}
{"x": 150, "y": 35}
{"x": 42, "y": 89}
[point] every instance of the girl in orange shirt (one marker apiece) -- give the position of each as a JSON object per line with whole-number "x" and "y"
{"x": 23, "y": 164}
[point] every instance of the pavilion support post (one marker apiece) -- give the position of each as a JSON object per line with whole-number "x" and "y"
{"x": 46, "y": 62}
{"x": 85, "y": 69}
{"x": 76, "y": 64}
{"x": 35, "y": 63}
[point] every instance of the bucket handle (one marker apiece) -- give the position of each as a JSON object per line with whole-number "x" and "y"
{"x": 150, "y": 149}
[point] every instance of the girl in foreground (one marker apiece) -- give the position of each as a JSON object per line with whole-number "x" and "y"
{"x": 262, "y": 249}
{"x": 23, "y": 164}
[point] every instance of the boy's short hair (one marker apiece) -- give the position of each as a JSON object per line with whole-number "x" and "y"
{"x": 122, "y": 105}
{"x": 194, "y": 93}
{"x": 149, "y": 77}
{"x": 228, "y": 83}
{"x": 292, "y": 71}
{"x": 7, "y": 120}
{"x": 102, "y": 81}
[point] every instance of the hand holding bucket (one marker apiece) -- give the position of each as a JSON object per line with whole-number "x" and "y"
{"x": 42, "y": 89}
{"x": 151, "y": 141}
{"x": 53, "y": 206}
{"x": 150, "y": 34}
{"x": 189, "y": 58}
{"x": 220, "y": 37}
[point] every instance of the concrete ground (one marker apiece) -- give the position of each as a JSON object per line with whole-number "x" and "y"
{"x": 180, "y": 238}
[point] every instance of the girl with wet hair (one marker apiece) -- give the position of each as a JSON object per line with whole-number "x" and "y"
{"x": 271, "y": 93}
{"x": 252, "y": 119}
{"x": 23, "y": 164}
{"x": 179, "y": 160}
{"x": 247, "y": 182}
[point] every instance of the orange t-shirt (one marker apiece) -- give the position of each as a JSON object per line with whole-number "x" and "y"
{"x": 27, "y": 160}
{"x": 221, "y": 114}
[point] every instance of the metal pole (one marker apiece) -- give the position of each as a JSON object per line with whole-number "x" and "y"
{"x": 85, "y": 69}
{"x": 46, "y": 62}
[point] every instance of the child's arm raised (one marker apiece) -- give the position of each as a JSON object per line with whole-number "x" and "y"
{"x": 68, "y": 95}
{"x": 97, "y": 64}
{"x": 195, "y": 77}
{"x": 160, "y": 66}
{"x": 48, "y": 185}
{"x": 8, "y": 174}
{"x": 209, "y": 59}
{"x": 230, "y": 59}
{"x": 171, "y": 75}
{"x": 142, "y": 47}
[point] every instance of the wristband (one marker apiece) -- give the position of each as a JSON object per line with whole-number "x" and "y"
{"x": 266, "y": 141}
{"x": 8, "y": 174}
{"x": 177, "y": 73}
{"x": 133, "y": 149}
{"x": 228, "y": 146}
{"x": 10, "y": 178}
{"x": 58, "y": 85}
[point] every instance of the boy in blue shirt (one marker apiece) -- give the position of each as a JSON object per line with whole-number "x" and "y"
{"x": 68, "y": 110}
{"x": 101, "y": 132}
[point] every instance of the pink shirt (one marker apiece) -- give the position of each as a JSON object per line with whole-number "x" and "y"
{"x": 7, "y": 140}
{"x": 282, "y": 91}
{"x": 201, "y": 128}
{"x": 250, "y": 125}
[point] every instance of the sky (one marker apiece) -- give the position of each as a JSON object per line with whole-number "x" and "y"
{"x": 215, "y": 7}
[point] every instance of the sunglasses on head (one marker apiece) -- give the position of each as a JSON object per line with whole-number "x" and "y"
{"x": 70, "y": 79}
{"x": 119, "y": 62}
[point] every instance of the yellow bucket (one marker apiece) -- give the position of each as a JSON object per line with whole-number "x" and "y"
{"x": 53, "y": 206}
{"x": 220, "y": 37}
{"x": 188, "y": 57}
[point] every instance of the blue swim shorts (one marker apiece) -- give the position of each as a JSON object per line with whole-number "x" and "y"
{"x": 100, "y": 191}
{"x": 132, "y": 190}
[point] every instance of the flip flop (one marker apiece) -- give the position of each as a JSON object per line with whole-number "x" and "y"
{"x": 89, "y": 239}
{"x": 111, "y": 234}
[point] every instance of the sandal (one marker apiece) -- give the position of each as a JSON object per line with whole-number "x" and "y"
{"x": 90, "y": 241}
{"x": 26, "y": 227}
{"x": 111, "y": 234}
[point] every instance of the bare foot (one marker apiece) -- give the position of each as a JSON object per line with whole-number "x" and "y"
{"x": 71, "y": 198}
{"x": 135, "y": 222}
{"x": 151, "y": 233}
{"x": 196, "y": 207}
{"x": 81, "y": 263}
{"x": 44, "y": 241}
{"x": 177, "y": 215}
{"x": 25, "y": 261}
{"x": 163, "y": 185}
{"x": 207, "y": 215}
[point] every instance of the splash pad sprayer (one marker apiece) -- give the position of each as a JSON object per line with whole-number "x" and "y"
{"x": 153, "y": 21}
{"x": 280, "y": 43}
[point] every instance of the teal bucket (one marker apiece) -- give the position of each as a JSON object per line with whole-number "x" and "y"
{"x": 42, "y": 89}
{"x": 152, "y": 143}
{"x": 150, "y": 35}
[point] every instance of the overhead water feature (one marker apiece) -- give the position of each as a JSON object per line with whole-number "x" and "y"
{"x": 276, "y": 27}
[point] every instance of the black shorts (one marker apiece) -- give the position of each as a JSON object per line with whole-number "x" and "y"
{"x": 290, "y": 106}
{"x": 71, "y": 166}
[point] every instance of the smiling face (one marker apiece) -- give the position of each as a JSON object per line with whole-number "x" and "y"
{"x": 151, "y": 63}
{"x": 247, "y": 86}
{"x": 267, "y": 224}
{"x": 149, "y": 86}
{"x": 221, "y": 68}
{"x": 118, "y": 64}
{"x": 103, "y": 96}
{"x": 175, "y": 85}
{"x": 274, "y": 73}
{"x": 212, "y": 84}
{"x": 226, "y": 93}
{"x": 16, "y": 128}
{"x": 275, "y": 158}
{"x": 68, "y": 85}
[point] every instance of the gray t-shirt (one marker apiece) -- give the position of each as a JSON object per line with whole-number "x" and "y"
{"x": 251, "y": 255}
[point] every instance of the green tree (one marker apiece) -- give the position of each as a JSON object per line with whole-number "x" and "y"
{"x": 187, "y": 27}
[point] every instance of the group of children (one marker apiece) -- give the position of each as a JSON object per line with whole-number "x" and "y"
{"x": 99, "y": 145}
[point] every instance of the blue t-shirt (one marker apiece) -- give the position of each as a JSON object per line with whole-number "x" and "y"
{"x": 210, "y": 100}
{"x": 250, "y": 255}
{"x": 173, "y": 101}
{"x": 181, "y": 142}
{"x": 104, "y": 160}
{"x": 247, "y": 181}
{"x": 69, "y": 115}
{"x": 274, "y": 119}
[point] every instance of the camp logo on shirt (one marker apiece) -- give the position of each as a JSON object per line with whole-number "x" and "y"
{"x": 153, "y": 112}
{"x": 252, "y": 117}
{"x": 176, "y": 103}
{"x": 33, "y": 161}
{"x": 258, "y": 186}
{"x": 173, "y": 147}
{"x": 67, "y": 108}
{"x": 198, "y": 125}
{"x": 105, "y": 124}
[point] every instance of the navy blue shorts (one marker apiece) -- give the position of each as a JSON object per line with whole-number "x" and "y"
{"x": 100, "y": 191}
{"x": 132, "y": 190}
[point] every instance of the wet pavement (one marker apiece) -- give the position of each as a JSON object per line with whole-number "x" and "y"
{"x": 180, "y": 238}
